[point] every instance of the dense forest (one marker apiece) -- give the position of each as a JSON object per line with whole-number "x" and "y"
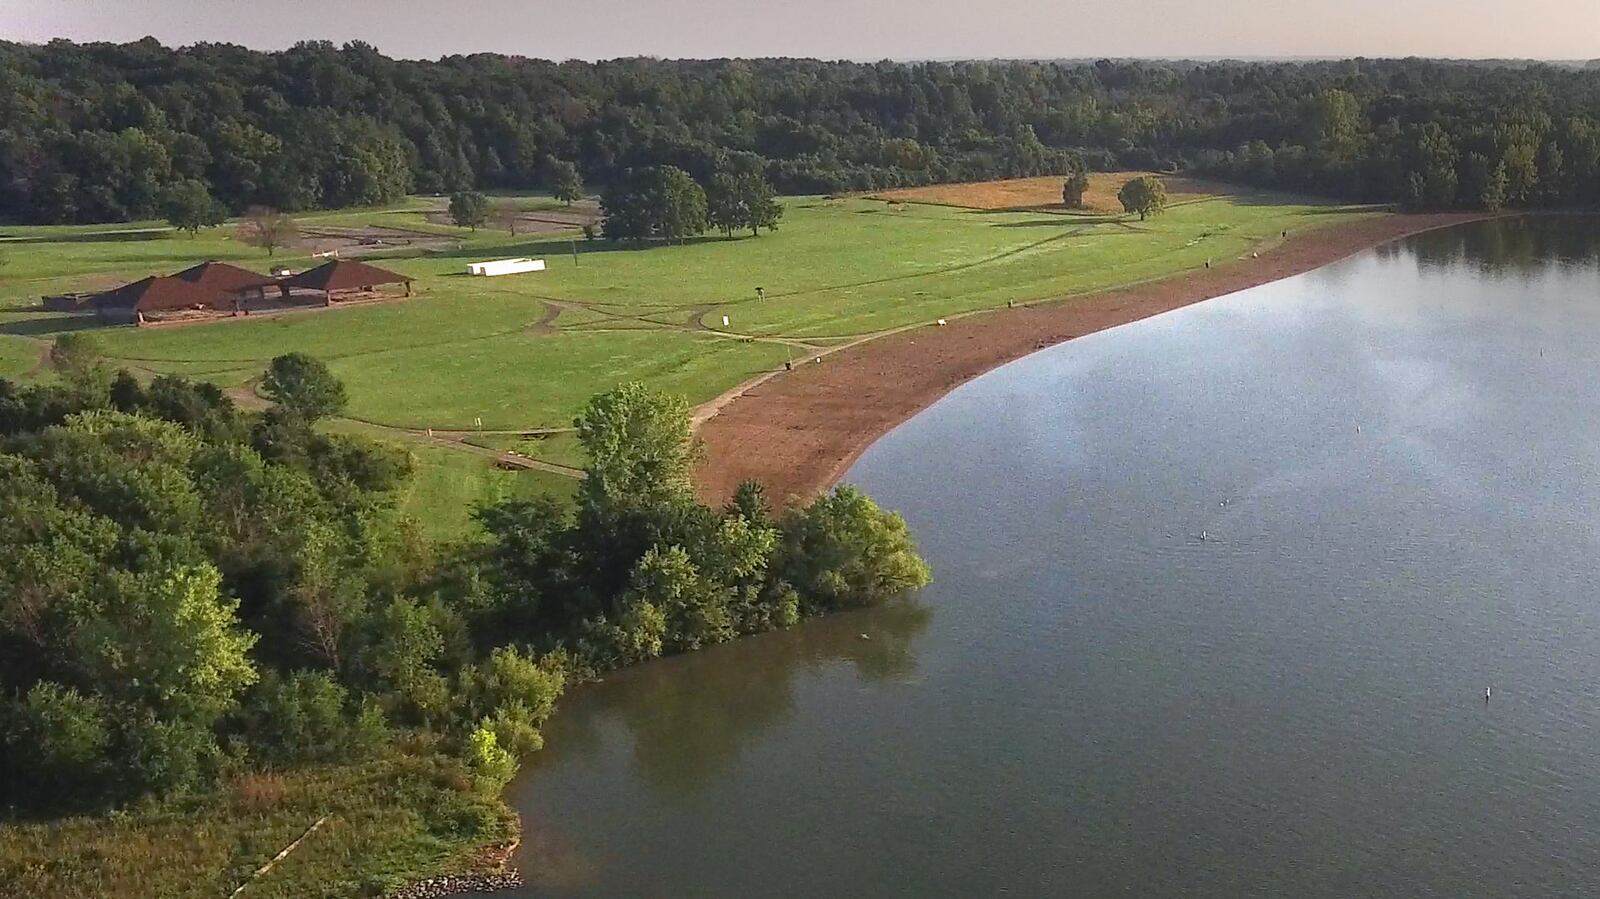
{"x": 191, "y": 590}
{"x": 104, "y": 132}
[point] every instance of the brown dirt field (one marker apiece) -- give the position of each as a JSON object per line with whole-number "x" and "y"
{"x": 1041, "y": 192}
{"x": 797, "y": 432}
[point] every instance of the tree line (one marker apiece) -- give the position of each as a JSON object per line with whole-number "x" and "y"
{"x": 106, "y": 132}
{"x": 192, "y": 590}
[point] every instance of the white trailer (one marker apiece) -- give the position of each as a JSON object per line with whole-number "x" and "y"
{"x": 494, "y": 267}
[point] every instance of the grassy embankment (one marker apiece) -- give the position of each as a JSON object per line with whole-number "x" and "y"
{"x": 388, "y": 822}
{"x": 525, "y": 352}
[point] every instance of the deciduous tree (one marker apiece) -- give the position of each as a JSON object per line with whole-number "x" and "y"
{"x": 189, "y": 206}
{"x": 1146, "y": 195}
{"x": 469, "y": 209}
{"x": 268, "y": 229}
{"x": 304, "y": 385}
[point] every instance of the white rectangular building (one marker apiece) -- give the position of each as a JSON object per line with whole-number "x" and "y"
{"x": 505, "y": 267}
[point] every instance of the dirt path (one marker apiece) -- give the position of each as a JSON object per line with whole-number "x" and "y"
{"x": 797, "y": 432}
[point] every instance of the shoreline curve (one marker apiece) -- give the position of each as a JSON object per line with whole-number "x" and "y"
{"x": 797, "y": 432}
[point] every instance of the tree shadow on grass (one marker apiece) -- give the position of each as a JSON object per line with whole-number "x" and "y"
{"x": 554, "y": 248}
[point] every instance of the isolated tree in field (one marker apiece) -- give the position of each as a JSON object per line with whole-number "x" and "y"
{"x": 268, "y": 229}
{"x": 1145, "y": 195}
{"x": 469, "y": 209}
{"x": 1075, "y": 185}
{"x": 189, "y": 206}
{"x": 563, "y": 179}
{"x": 304, "y": 385}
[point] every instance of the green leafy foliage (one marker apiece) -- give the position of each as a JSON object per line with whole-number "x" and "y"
{"x": 660, "y": 202}
{"x": 303, "y": 385}
{"x": 469, "y": 209}
{"x": 563, "y": 180}
{"x": 99, "y": 132}
{"x": 1145, "y": 195}
{"x": 195, "y": 596}
{"x": 188, "y": 206}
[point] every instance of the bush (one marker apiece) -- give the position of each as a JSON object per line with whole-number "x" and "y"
{"x": 306, "y": 716}
{"x": 509, "y": 676}
{"x": 57, "y": 740}
{"x": 843, "y": 552}
{"x": 168, "y": 756}
{"x": 492, "y": 766}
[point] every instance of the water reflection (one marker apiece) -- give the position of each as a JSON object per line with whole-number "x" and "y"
{"x": 1510, "y": 246}
{"x": 688, "y": 716}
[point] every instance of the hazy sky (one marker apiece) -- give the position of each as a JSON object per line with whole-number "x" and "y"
{"x": 854, "y": 29}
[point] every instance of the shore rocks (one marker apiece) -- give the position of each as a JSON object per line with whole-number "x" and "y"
{"x": 452, "y": 884}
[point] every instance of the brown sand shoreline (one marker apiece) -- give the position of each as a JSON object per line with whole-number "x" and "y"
{"x": 798, "y": 432}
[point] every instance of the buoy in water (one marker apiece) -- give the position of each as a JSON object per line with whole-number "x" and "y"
{"x": 1486, "y": 692}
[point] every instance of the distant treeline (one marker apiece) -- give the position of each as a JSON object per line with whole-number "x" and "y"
{"x": 102, "y": 132}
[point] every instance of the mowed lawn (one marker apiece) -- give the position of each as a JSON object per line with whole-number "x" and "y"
{"x": 527, "y": 351}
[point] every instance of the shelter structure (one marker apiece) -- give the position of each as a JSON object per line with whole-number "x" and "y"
{"x": 229, "y": 279}
{"x": 342, "y": 278}
{"x": 133, "y": 303}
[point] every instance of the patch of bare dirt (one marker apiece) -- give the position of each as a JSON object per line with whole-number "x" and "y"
{"x": 1043, "y": 192}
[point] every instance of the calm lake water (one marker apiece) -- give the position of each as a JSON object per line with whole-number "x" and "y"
{"x": 1217, "y": 596}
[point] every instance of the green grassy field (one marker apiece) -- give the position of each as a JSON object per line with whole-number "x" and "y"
{"x": 524, "y": 352}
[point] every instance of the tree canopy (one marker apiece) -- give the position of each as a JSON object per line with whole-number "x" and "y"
{"x": 304, "y": 385}
{"x": 97, "y": 132}
{"x": 657, "y": 202}
{"x": 191, "y": 589}
{"x": 189, "y": 206}
{"x": 469, "y": 209}
{"x": 1146, "y": 195}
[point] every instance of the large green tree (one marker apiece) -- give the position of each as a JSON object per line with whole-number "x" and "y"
{"x": 640, "y": 447}
{"x": 189, "y": 206}
{"x": 1145, "y": 195}
{"x": 563, "y": 180}
{"x": 469, "y": 209}
{"x": 304, "y": 385}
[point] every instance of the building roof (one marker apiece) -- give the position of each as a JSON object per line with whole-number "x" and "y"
{"x": 158, "y": 292}
{"x": 343, "y": 274}
{"x": 221, "y": 276}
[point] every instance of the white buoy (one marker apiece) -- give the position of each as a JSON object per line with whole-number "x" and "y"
{"x": 1486, "y": 692}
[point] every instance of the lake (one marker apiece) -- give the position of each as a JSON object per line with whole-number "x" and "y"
{"x": 1217, "y": 599}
